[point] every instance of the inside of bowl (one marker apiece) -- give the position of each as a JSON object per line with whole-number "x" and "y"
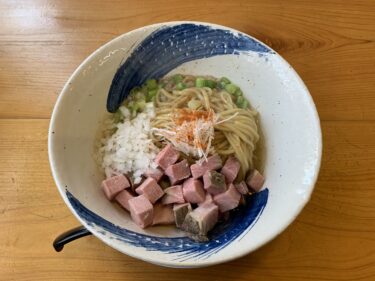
{"x": 289, "y": 125}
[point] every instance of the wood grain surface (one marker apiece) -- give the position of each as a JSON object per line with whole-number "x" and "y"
{"x": 330, "y": 43}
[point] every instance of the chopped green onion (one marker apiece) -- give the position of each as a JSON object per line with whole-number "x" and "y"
{"x": 151, "y": 84}
{"x": 140, "y": 95}
{"x": 231, "y": 88}
{"x": 180, "y": 86}
{"x": 221, "y": 84}
{"x": 225, "y": 80}
{"x": 131, "y": 106}
{"x": 137, "y": 107}
{"x": 141, "y": 104}
{"x": 150, "y": 95}
{"x": 238, "y": 92}
{"x": 177, "y": 78}
{"x": 240, "y": 99}
{"x": 210, "y": 83}
{"x": 144, "y": 89}
{"x": 117, "y": 116}
{"x": 200, "y": 82}
{"x": 134, "y": 91}
{"x": 241, "y": 102}
{"x": 245, "y": 104}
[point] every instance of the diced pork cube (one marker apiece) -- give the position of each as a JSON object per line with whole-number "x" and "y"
{"x": 208, "y": 199}
{"x": 193, "y": 191}
{"x": 156, "y": 174}
{"x": 163, "y": 214}
{"x": 114, "y": 185}
{"x": 167, "y": 156}
{"x": 178, "y": 171}
{"x": 214, "y": 182}
{"x": 242, "y": 187}
{"x": 213, "y": 163}
{"x": 172, "y": 195}
{"x": 150, "y": 189}
{"x": 228, "y": 200}
{"x": 255, "y": 180}
{"x": 180, "y": 211}
{"x": 141, "y": 211}
{"x": 230, "y": 169}
{"x": 123, "y": 199}
{"x": 202, "y": 219}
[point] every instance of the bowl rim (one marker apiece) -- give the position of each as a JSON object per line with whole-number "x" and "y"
{"x": 200, "y": 263}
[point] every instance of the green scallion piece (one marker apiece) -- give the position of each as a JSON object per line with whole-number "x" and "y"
{"x": 245, "y": 104}
{"x": 141, "y": 104}
{"x": 177, "y": 78}
{"x": 225, "y": 80}
{"x": 210, "y": 84}
{"x": 134, "y": 91}
{"x": 151, "y": 84}
{"x": 144, "y": 89}
{"x": 238, "y": 92}
{"x": 140, "y": 96}
{"x": 241, "y": 102}
{"x": 117, "y": 116}
{"x": 221, "y": 84}
{"x": 200, "y": 82}
{"x": 231, "y": 88}
{"x": 240, "y": 99}
{"x": 180, "y": 86}
{"x": 150, "y": 95}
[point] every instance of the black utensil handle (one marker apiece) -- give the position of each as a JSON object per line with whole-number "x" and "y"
{"x": 69, "y": 236}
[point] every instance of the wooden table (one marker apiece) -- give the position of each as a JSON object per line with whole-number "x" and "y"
{"x": 330, "y": 44}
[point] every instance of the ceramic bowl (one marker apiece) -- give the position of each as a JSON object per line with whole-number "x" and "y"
{"x": 289, "y": 121}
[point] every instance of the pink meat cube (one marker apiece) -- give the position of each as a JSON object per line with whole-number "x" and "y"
{"x": 141, "y": 211}
{"x": 123, "y": 199}
{"x": 242, "y": 187}
{"x": 230, "y": 169}
{"x": 228, "y": 200}
{"x": 163, "y": 214}
{"x": 180, "y": 211}
{"x": 208, "y": 199}
{"x": 202, "y": 219}
{"x": 214, "y": 182}
{"x": 112, "y": 186}
{"x": 150, "y": 189}
{"x": 172, "y": 195}
{"x": 167, "y": 156}
{"x": 178, "y": 171}
{"x": 156, "y": 174}
{"x": 213, "y": 163}
{"x": 255, "y": 180}
{"x": 193, "y": 191}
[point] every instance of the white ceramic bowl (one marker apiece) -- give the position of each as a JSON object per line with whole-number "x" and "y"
{"x": 289, "y": 120}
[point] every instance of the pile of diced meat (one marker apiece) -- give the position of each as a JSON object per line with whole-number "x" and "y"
{"x": 196, "y": 198}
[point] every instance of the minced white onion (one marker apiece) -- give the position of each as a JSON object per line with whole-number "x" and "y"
{"x": 130, "y": 149}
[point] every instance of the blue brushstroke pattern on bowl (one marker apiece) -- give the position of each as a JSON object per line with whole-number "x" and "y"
{"x": 168, "y": 47}
{"x": 239, "y": 223}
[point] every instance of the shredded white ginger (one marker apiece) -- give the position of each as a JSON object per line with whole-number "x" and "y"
{"x": 130, "y": 150}
{"x": 192, "y": 131}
